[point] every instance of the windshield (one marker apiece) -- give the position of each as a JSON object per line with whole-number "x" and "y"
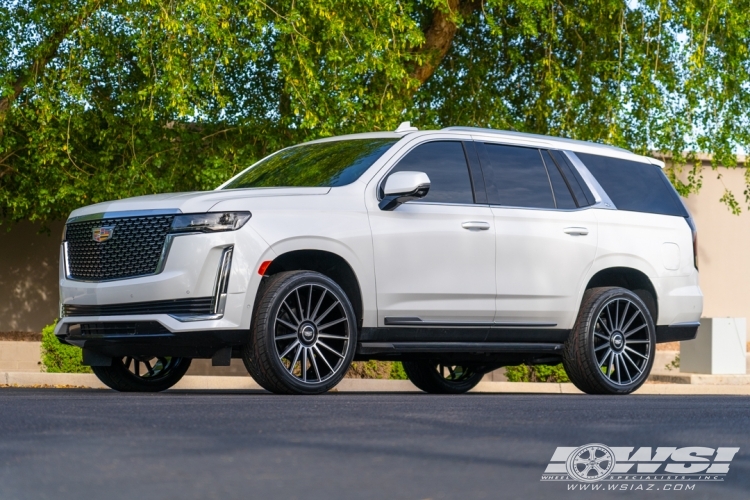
{"x": 323, "y": 164}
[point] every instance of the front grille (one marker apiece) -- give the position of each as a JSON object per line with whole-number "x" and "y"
{"x": 188, "y": 307}
{"x": 104, "y": 329}
{"x": 134, "y": 249}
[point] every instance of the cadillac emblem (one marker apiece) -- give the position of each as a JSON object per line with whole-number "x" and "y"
{"x": 102, "y": 234}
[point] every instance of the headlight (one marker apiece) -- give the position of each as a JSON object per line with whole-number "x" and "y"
{"x": 209, "y": 223}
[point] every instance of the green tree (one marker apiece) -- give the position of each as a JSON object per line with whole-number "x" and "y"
{"x": 103, "y": 99}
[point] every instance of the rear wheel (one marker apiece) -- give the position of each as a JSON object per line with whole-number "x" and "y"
{"x": 442, "y": 378}
{"x": 611, "y": 347}
{"x": 142, "y": 373}
{"x": 304, "y": 334}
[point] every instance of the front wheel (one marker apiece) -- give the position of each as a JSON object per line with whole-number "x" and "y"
{"x": 442, "y": 378}
{"x": 611, "y": 347}
{"x": 304, "y": 334}
{"x": 142, "y": 373}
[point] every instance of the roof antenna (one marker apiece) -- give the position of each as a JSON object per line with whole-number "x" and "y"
{"x": 406, "y": 127}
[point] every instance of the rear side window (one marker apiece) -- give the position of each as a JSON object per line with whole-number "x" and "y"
{"x": 563, "y": 197}
{"x": 444, "y": 162}
{"x": 516, "y": 177}
{"x": 635, "y": 186}
{"x": 583, "y": 195}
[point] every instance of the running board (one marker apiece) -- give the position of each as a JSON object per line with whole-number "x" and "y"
{"x": 462, "y": 347}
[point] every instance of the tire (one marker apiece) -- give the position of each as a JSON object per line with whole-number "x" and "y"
{"x": 304, "y": 334}
{"x": 611, "y": 348}
{"x": 439, "y": 378}
{"x": 157, "y": 373}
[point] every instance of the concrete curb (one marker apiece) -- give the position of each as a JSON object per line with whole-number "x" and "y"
{"x": 196, "y": 382}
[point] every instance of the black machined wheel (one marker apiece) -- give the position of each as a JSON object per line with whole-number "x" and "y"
{"x": 437, "y": 377}
{"x": 304, "y": 334}
{"x": 142, "y": 373}
{"x": 611, "y": 348}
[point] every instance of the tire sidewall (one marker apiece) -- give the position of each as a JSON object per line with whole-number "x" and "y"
{"x": 601, "y": 301}
{"x": 268, "y": 331}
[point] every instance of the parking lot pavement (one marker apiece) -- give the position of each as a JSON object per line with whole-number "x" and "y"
{"x": 247, "y": 444}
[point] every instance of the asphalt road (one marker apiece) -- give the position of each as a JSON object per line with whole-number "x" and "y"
{"x": 88, "y": 444}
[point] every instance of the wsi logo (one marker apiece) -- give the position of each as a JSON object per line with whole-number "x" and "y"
{"x": 598, "y": 462}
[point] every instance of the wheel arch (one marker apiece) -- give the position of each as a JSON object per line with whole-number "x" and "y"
{"x": 631, "y": 279}
{"x": 327, "y": 263}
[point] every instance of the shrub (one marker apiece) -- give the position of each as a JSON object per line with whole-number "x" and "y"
{"x": 537, "y": 373}
{"x": 392, "y": 370}
{"x": 58, "y": 357}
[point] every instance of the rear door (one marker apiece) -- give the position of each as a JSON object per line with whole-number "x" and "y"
{"x": 546, "y": 237}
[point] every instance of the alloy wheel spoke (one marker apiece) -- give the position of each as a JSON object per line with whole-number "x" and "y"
{"x": 299, "y": 304}
{"x": 603, "y": 346}
{"x": 294, "y": 363}
{"x": 128, "y": 362}
{"x": 309, "y": 302}
{"x": 617, "y": 314}
{"x": 317, "y": 306}
{"x": 335, "y": 322}
{"x": 630, "y": 322}
{"x": 617, "y": 369}
{"x": 289, "y": 349}
{"x": 315, "y": 347}
{"x": 611, "y": 364}
{"x": 319, "y": 318}
{"x": 287, "y": 324}
{"x": 331, "y": 336}
{"x": 304, "y": 364}
{"x": 149, "y": 368}
{"x": 285, "y": 337}
{"x": 601, "y": 336}
{"x": 315, "y": 364}
{"x": 609, "y": 315}
{"x": 624, "y": 315}
{"x": 294, "y": 316}
{"x": 631, "y": 332}
{"x": 603, "y": 361}
{"x": 323, "y": 344}
{"x": 625, "y": 354}
{"x": 625, "y": 367}
{"x": 636, "y": 352}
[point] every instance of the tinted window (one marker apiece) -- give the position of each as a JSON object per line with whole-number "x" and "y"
{"x": 445, "y": 164}
{"x": 583, "y": 195}
{"x": 635, "y": 186}
{"x": 516, "y": 177}
{"x": 335, "y": 163}
{"x": 563, "y": 197}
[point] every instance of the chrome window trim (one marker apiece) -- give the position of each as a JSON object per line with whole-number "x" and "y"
{"x": 123, "y": 214}
{"x": 600, "y": 195}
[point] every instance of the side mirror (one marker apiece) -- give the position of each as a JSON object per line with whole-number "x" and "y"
{"x": 402, "y": 187}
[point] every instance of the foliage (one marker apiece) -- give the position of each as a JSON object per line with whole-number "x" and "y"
{"x": 537, "y": 373}
{"x": 58, "y": 357}
{"x": 674, "y": 364}
{"x": 104, "y": 99}
{"x": 393, "y": 370}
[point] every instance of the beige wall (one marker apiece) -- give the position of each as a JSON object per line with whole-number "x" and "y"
{"x": 723, "y": 244}
{"x": 28, "y": 276}
{"x": 28, "y": 260}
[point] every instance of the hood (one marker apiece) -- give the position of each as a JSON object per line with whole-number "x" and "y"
{"x": 195, "y": 202}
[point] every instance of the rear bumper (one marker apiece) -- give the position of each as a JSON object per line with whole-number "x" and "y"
{"x": 676, "y": 332}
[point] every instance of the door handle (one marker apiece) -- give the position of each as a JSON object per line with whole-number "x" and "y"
{"x": 576, "y": 231}
{"x": 476, "y": 225}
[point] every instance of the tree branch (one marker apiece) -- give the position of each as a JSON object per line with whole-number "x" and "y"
{"x": 48, "y": 50}
{"x": 439, "y": 36}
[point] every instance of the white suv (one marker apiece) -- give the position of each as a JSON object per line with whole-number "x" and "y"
{"x": 456, "y": 251}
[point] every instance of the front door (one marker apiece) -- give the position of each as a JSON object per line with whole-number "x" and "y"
{"x": 435, "y": 257}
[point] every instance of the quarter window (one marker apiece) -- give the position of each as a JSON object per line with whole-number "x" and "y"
{"x": 517, "y": 177}
{"x": 444, "y": 162}
{"x": 563, "y": 197}
{"x": 635, "y": 186}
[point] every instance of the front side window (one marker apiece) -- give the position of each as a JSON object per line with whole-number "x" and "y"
{"x": 444, "y": 162}
{"x": 517, "y": 177}
{"x": 322, "y": 164}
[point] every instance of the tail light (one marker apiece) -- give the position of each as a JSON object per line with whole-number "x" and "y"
{"x": 691, "y": 223}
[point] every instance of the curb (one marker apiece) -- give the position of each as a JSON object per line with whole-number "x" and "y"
{"x": 197, "y": 382}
